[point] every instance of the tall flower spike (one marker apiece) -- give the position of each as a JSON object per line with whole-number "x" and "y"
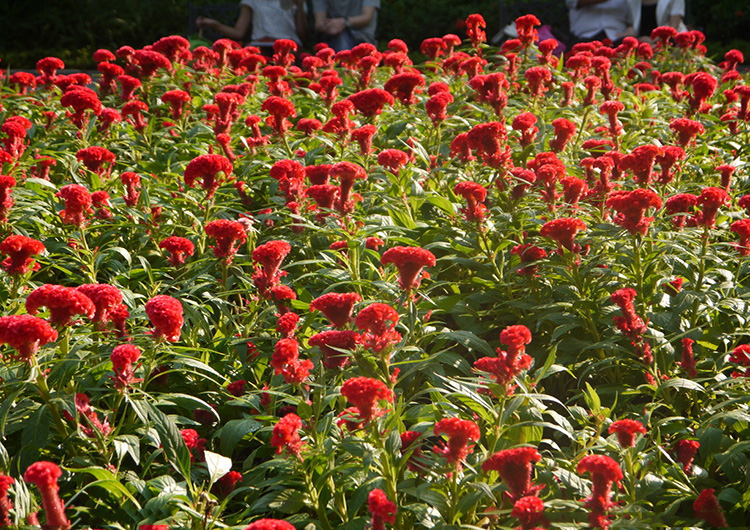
{"x": 604, "y": 471}
{"x": 337, "y": 307}
{"x": 460, "y": 434}
{"x": 707, "y": 508}
{"x": 515, "y": 467}
{"x": 228, "y": 235}
{"x": 409, "y": 261}
{"x": 382, "y": 510}
{"x": 44, "y": 475}
{"x": 286, "y": 436}
{"x": 365, "y": 394}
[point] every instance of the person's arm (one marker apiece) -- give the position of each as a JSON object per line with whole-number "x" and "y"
{"x": 334, "y": 26}
{"x": 321, "y": 20}
{"x": 236, "y": 32}
{"x": 587, "y": 3}
{"x": 300, "y": 20}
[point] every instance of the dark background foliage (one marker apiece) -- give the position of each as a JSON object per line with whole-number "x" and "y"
{"x": 73, "y": 30}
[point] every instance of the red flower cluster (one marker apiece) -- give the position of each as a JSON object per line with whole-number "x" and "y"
{"x": 97, "y": 160}
{"x": 474, "y": 194}
{"x": 460, "y": 433}
{"x": 26, "y": 334}
{"x": 165, "y": 314}
{"x": 378, "y": 322}
{"x": 604, "y": 471}
{"x": 365, "y": 394}
{"x": 515, "y": 467}
{"x": 62, "y": 303}
{"x": 285, "y": 361}
{"x": 382, "y": 510}
{"x": 626, "y": 431}
{"x": 268, "y": 257}
{"x": 285, "y": 435}
{"x": 333, "y": 345}
{"x": 178, "y": 248}
{"x": 630, "y": 324}
{"x": 409, "y": 261}
{"x": 508, "y": 364}
{"x": 44, "y": 476}
{"x": 337, "y": 307}
{"x": 346, "y": 173}
{"x": 270, "y": 524}
{"x": 19, "y": 250}
{"x": 228, "y": 235}
{"x": 631, "y": 207}
{"x": 529, "y": 511}
{"x": 564, "y": 231}
{"x": 106, "y": 299}
{"x": 77, "y": 204}
{"x": 685, "y": 451}
{"x": 707, "y": 508}
{"x": 207, "y": 168}
{"x": 123, "y": 357}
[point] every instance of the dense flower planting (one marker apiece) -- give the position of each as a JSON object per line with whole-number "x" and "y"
{"x": 499, "y": 288}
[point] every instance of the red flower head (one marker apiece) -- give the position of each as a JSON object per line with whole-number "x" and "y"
{"x": 564, "y": 131}
{"x": 62, "y": 303}
{"x": 135, "y": 109}
{"x": 741, "y": 356}
{"x": 686, "y": 129}
{"x": 269, "y": 257}
{"x": 409, "y": 261}
{"x": 174, "y": 47}
{"x": 286, "y": 435}
{"x": 703, "y": 87}
{"x": 630, "y": 324}
{"x": 363, "y": 136}
{"x": 742, "y": 229}
{"x": 346, "y": 173}
{"x": 337, "y": 307}
{"x": 402, "y": 86}
{"x": 105, "y": 297}
{"x": 626, "y": 431}
{"x": 539, "y": 78}
{"x": 604, "y": 471}
{"x": 515, "y": 467}
{"x": 529, "y": 511}
{"x": 528, "y": 253}
{"x": 81, "y": 99}
{"x": 178, "y": 248}
{"x": 437, "y": 105}
{"x": 123, "y": 358}
{"x": 710, "y": 200}
{"x": 207, "y": 168}
{"x": 279, "y": 109}
{"x": 150, "y": 61}
{"x": 564, "y": 232}
{"x": 382, "y": 510}
{"x": 685, "y": 450}
{"x": 525, "y": 124}
{"x": 270, "y": 524}
{"x": 707, "y": 508}
{"x": 365, "y": 394}
{"x": 663, "y": 34}
{"x": 681, "y": 203}
{"x": 487, "y": 139}
{"x": 19, "y": 250}
{"x": 228, "y": 235}
{"x": 370, "y": 102}
{"x": 460, "y": 433}
{"x": 15, "y": 128}
{"x": 393, "y": 159}
{"x": 176, "y": 100}
{"x": 77, "y": 204}
{"x": 331, "y": 344}
{"x": 631, "y": 207}
{"x": 526, "y": 28}
{"x": 475, "y": 26}
{"x": 97, "y": 159}
{"x": 165, "y": 314}
{"x": 132, "y": 183}
{"x": 667, "y": 158}
{"x": 48, "y": 68}
{"x": 5, "y": 503}
{"x": 475, "y": 195}
{"x": 44, "y": 476}
{"x": 378, "y": 322}
{"x": 432, "y": 47}
{"x": 25, "y": 333}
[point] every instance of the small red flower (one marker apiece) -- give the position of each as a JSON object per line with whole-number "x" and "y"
{"x": 178, "y": 248}
{"x": 370, "y": 102}
{"x": 165, "y": 314}
{"x": 631, "y": 207}
{"x": 409, "y": 261}
{"x": 337, "y": 307}
{"x": 403, "y": 85}
{"x": 77, "y": 204}
{"x": 228, "y": 234}
{"x": 475, "y": 26}
{"x": 460, "y": 433}
{"x": 685, "y": 450}
{"x": 286, "y": 436}
{"x": 123, "y": 358}
{"x": 333, "y": 345}
{"x": 97, "y": 159}
{"x": 19, "y": 250}
{"x": 346, "y": 173}
{"x": 44, "y": 476}
{"x": 382, "y": 510}
{"x": 604, "y": 471}
{"x": 707, "y": 508}
{"x": 26, "y": 334}
{"x": 365, "y": 394}
{"x": 564, "y": 231}
{"x": 105, "y": 297}
{"x": 626, "y": 431}
{"x": 686, "y": 130}
{"x": 207, "y": 168}
{"x": 529, "y": 510}
{"x": 515, "y": 467}
{"x": 270, "y": 524}
{"x": 378, "y": 322}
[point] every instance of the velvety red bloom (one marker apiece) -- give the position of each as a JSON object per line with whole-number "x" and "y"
{"x": 409, "y": 445}
{"x": 526, "y": 28}
{"x": 564, "y": 232}
{"x": 291, "y": 176}
{"x": 5, "y": 503}
{"x": 123, "y": 358}
{"x": 528, "y": 253}
{"x": 287, "y": 323}
{"x": 370, "y": 102}
{"x": 564, "y": 131}
{"x": 538, "y": 78}
{"x": 402, "y": 86}
{"x": 62, "y": 303}
{"x": 363, "y": 136}
{"x": 150, "y": 61}
{"x": 105, "y": 298}
{"x": 515, "y": 467}
{"x": 228, "y": 235}
{"x": 525, "y": 124}
{"x": 487, "y": 140}
{"x": 132, "y": 183}
{"x": 135, "y": 109}
{"x": 409, "y": 261}
{"x": 742, "y": 229}
{"x": 228, "y": 483}
{"x": 176, "y": 100}
{"x": 285, "y": 360}
{"x": 393, "y": 159}
{"x": 337, "y": 307}
{"x": 269, "y": 256}
{"x": 77, "y": 204}
{"x": 688, "y": 362}
{"x": 626, "y": 431}
{"x": 165, "y": 314}
{"x": 681, "y": 203}
{"x": 81, "y": 100}
{"x": 15, "y": 129}
{"x": 44, "y": 476}
{"x": 378, "y": 322}
{"x": 631, "y": 207}
{"x": 19, "y": 250}
{"x": 279, "y": 109}
{"x": 437, "y": 105}
{"x": 286, "y": 436}
{"x": 270, "y": 524}
{"x": 529, "y": 511}
{"x": 237, "y": 388}
{"x": 346, "y": 173}
{"x": 365, "y": 394}
{"x": 331, "y": 344}
{"x": 710, "y": 200}
{"x": 475, "y": 26}
{"x": 382, "y": 510}
{"x": 612, "y": 108}
{"x": 432, "y": 47}
{"x": 741, "y": 356}
{"x": 97, "y": 159}
{"x": 707, "y": 508}
{"x": 207, "y": 168}
{"x": 686, "y": 129}
{"x": 460, "y": 433}
{"x": 685, "y": 451}
{"x": 475, "y": 194}
{"x": 194, "y": 443}
{"x": 630, "y": 324}
{"x": 178, "y": 248}
{"x": 26, "y": 334}
{"x": 703, "y": 86}
{"x": 604, "y": 471}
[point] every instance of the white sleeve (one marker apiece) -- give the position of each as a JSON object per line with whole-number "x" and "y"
{"x": 571, "y": 4}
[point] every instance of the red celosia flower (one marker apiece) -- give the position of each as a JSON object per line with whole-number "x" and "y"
{"x": 229, "y": 235}
{"x": 525, "y": 26}
{"x": 324, "y": 196}
{"x": 25, "y": 333}
{"x": 135, "y": 109}
{"x": 178, "y": 248}
{"x": 564, "y": 130}
{"x": 15, "y": 128}
{"x": 688, "y": 362}
{"x": 741, "y": 356}
{"x": 337, "y": 307}
{"x": 44, "y": 475}
{"x": 408, "y": 445}
{"x": 630, "y": 323}
{"x": 487, "y": 139}
{"x": 742, "y": 229}
{"x": 626, "y": 431}
{"x": 475, "y": 195}
{"x": 95, "y": 425}
{"x": 331, "y": 344}
{"x": 270, "y": 524}
{"x": 62, "y": 303}
{"x": 365, "y": 394}
{"x": 19, "y": 250}
{"x": 165, "y": 314}
{"x": 5, "y": 503}
{"x": 686, "y": 129}
{"x": 207, "y": 168}
{"x": 150, "y": 61}
{"x": 409, "y": 261}
{"x": 460, "y": 433}
{"x": 515, "y": 467}
{"x": 710, "y": 200}
{"x": 194, "y": 443}
{"x": 437, "y": 105}
{"x": 529, "y": 510}
{"x": 97, "y": 159}
{"x": 681, "y": 203}
{"x": 703, "y": 86}
{"x": 346, "y": 173}
{"x": 382, "y": 510}
{"x": 393, "y": 159}
{"x": 707, "y": 508}
{"x": 402, "y": 86}
{"x": 604, "y": 471}
{"x": 667, "y": 158}
{"x": 279, "y": 109}
{"x": 287, "y": 323}
{"x": 611, "y": 108}
{"x": 105, "y": 297}
{"x": 286, "y": 436}
{"x": 237, "y": 388}
{"x": 123, "y": 357}
{"x": 269, "y": 257}
{"x": 475, "y": 26}
{"x": 641, "y": 162}
{"x": 525, "y": 124}
{"x": 631, "y": 207}
{"x": 539, "y": 78}
{"x": 81, "y": 99}
{"x": 227, "y": 483}
{"x": 285, "y": 360}
{"x": 378, "y": 322}
{"x": 685, "y": 450}
{"x": 291, "y": 176}
{"x": 370, "y": 102}
{"x": 176, "y": 100}
{"x": 77, "y": 204}
{"x": 564, "y": 231}
{"x": 528, "y": 253}
{"x": 132, "y": 183}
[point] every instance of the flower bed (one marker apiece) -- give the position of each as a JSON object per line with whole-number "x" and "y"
{"x": 498, "y": 288}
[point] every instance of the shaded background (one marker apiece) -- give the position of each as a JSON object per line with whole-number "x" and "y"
{"x": 73, "y": 30}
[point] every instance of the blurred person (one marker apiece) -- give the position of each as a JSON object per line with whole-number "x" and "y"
{"x": 342, "y": 24}
{"x": 600, "y": 19}
{"x": 650, "y": 14}
{"x": 271, "y": 20}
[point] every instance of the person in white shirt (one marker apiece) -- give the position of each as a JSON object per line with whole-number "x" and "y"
{"x": 600, "y": 19}
{"x": 342, "y": 24}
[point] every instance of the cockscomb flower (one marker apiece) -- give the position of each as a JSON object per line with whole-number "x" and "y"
{"x": 268, "y": 257}
{"x": 337, "y": 307}
{"x": 77, "y": 204}
{"x": 346, "y": 173}
{"x": 270, "y": 524}
{"x": 667, "y": 158}
{"x": 538, "y": 78}
{"x": 437, "y": 105}
{"x": 685, "y": 451}
{"x": 285, "y": 361}
{"x": 5, "y": 503}
{"x": 742, "y": 229}
{"x": 528, "y": 253}
{"x": 19, "y": 250}
{"x": 475, "y": 26}
{"x": 487, "y": 140}
{"x": 15, "y": 129}
{"x": 526, "y": 28}
{"x": 207, "y": 168}
{"x": 366, "y": 394}
{"x": 741, "y": 356}
{"x": 123, "y": 358}
{"x": 333, "y": 345}
{"x": 195, "y": 444}
{"x": 393, "y": 159}
{"x": 44, "y": 475}
{"x": 525, "y": 124}
{"x": 165, "y": 314}
{"x": 687, "y": 362}
{"x": 475, "y": 194}
{"x": 285, "y": 435}
{"x": 370, "y": 102}
{"x": 686, "y": 130}
{"x": 515, "y": 467}
{"x": 132, "y": 183}
{"x": 229, "y": 235}
{"x": 97, "y": 160}
{"x": 132, "y": 112}
{"x": 529, "y": 510}
{"x": 105, "y": 298}
{"x": 641, "y": 162}
{"x": 178, "y": 248}
{"x": 604, "y": 471}
{"x": 402, "y": 86}
{"x": 630, "y": 324}
{"x": 382, "y": 510}
{"x": 176, "y": 99}
{"x": 62, "y": 302}
{"x": 291, "y": 176}
{"x": 460, "y": 433}
{"x": 710, "y": 200}
{"x": 279, "y": 109}
{"x": 682, "y": 203}
{"x": 564, "y": 131}
{"x": 631, "y": 207}
{"x": 564, "y": 231}
{"x": 409, "y": 261}
{"x": 81, "y": 100}
{"x": 708, "y": 509}
{"x": 626, "y": 431}
{"x": 26, "y": 334}
{"x": 378, "y": 322}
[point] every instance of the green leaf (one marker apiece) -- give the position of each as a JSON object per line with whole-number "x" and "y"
{"x": 127, "y": 444}
{"x": 236, "y": 430}
{"x": 218, "y": 466}
{"x": 171, "y": 440}
{"x": 36, "y": 433}
{"x": 469, "y": 340}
